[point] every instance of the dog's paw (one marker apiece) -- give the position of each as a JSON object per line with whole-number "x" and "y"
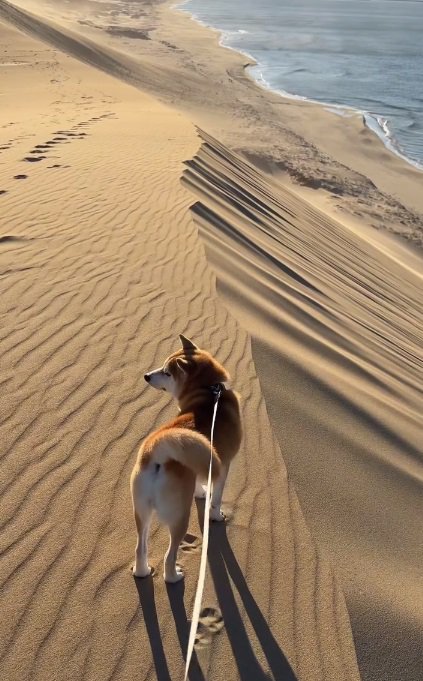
{"x": 174, "y": 577}
{"x": 142, "y": 572}
{"x": 217, "y": 515}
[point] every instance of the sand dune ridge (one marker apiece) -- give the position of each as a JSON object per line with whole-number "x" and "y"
{"x": 337, "y": 335}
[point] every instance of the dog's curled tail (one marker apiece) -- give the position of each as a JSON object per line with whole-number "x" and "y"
{"x": 187, "y": 447}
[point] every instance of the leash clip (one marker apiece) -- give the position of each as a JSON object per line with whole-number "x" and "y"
{"x": 217, "y": 389}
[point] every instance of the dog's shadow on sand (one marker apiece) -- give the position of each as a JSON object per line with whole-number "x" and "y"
{"x": 175, "y": 592}
{"x": 224, "y": 569}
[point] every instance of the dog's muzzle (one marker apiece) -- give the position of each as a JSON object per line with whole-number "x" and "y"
{"x": 147, "y": 377}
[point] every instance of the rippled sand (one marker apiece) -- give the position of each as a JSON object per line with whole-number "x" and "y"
{"x": 122, "y": 225}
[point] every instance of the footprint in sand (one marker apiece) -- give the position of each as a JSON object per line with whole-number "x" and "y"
{"x": 10, "y": 237}
{"x": 210, "y": 623}
{"x": 3, "y": 191}
{"x": 20, "y": 177}
{"x": 34, "y": 159}
{"x": 190, "y": 543}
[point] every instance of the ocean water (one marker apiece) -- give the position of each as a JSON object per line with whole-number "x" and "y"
{"x": 361, "y": 54}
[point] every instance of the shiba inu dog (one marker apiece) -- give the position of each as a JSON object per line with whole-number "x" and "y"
{"x": 174, "y": 460}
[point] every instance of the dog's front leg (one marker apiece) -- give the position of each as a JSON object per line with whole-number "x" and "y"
{"x": 218, "y": 487}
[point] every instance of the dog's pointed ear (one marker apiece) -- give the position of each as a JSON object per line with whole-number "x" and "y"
{"x": 187, "y": 344}
{"x": 182, "y": 365}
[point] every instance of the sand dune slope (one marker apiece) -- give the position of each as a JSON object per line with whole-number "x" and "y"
{"x": 143, "y": 72}
{"x": 335, "y": 315}
{"x": 181, "y": 63}
{"x": 101, "y": 267}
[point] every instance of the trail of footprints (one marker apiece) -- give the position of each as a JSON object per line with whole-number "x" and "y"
{"x": 5, "y": 146}
{"x": 210, "y": 622}
{"x": 40, "y": 151}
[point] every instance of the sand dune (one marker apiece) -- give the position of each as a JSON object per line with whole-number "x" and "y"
{"x": 101, "y": 266}
{"x": 140, "y": 72}
{"x": 318, "y": 319}
{"x": 182, "y": 65}
{"x": 335, "y": 316}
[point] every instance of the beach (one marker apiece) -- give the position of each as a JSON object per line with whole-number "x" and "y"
{"x": 149, "y": 187}
{"x": 362, "y": 58}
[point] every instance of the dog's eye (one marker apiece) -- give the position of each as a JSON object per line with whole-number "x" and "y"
{"x": 166, "y": 373}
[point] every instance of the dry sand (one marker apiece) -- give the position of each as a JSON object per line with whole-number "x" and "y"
{"x": 102, "y": 264}
{"x": 180, "y": 62}
{"x": 335, "y": 316}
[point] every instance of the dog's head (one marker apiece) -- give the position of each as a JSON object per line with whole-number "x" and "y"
{"x": 186, "y": 369}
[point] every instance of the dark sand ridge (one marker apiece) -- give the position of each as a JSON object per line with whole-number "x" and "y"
{"x": 101, "y": 267}
{"x": 336, "y": 322}
{"x": 182, "y": 64}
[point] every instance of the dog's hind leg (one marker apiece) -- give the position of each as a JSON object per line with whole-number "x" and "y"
{"x": 142, "y": 520}
{"x": 177, "y": 531}
{"x": 143, "y": 509}
{"x": 200, "y": 490}
{"x": 218, "y": 487}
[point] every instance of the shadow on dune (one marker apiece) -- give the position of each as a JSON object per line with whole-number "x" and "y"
{"x": 335, "y": 319}
{"x": 175, "y": 594}
{"x": 145, "y": 588}
{"x": 225, "y": 572}
{"x": 139, "y": 72}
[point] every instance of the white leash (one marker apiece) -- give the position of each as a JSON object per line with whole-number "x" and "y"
{"x": 203, "y": 559}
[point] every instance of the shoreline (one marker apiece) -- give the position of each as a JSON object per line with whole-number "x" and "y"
{"x": 180, "y": 62}
{"x": 353, "y": 171}
{"x": 378, "y": 124}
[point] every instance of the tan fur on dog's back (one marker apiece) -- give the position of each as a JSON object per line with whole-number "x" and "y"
{"x": 187, "y": 447}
